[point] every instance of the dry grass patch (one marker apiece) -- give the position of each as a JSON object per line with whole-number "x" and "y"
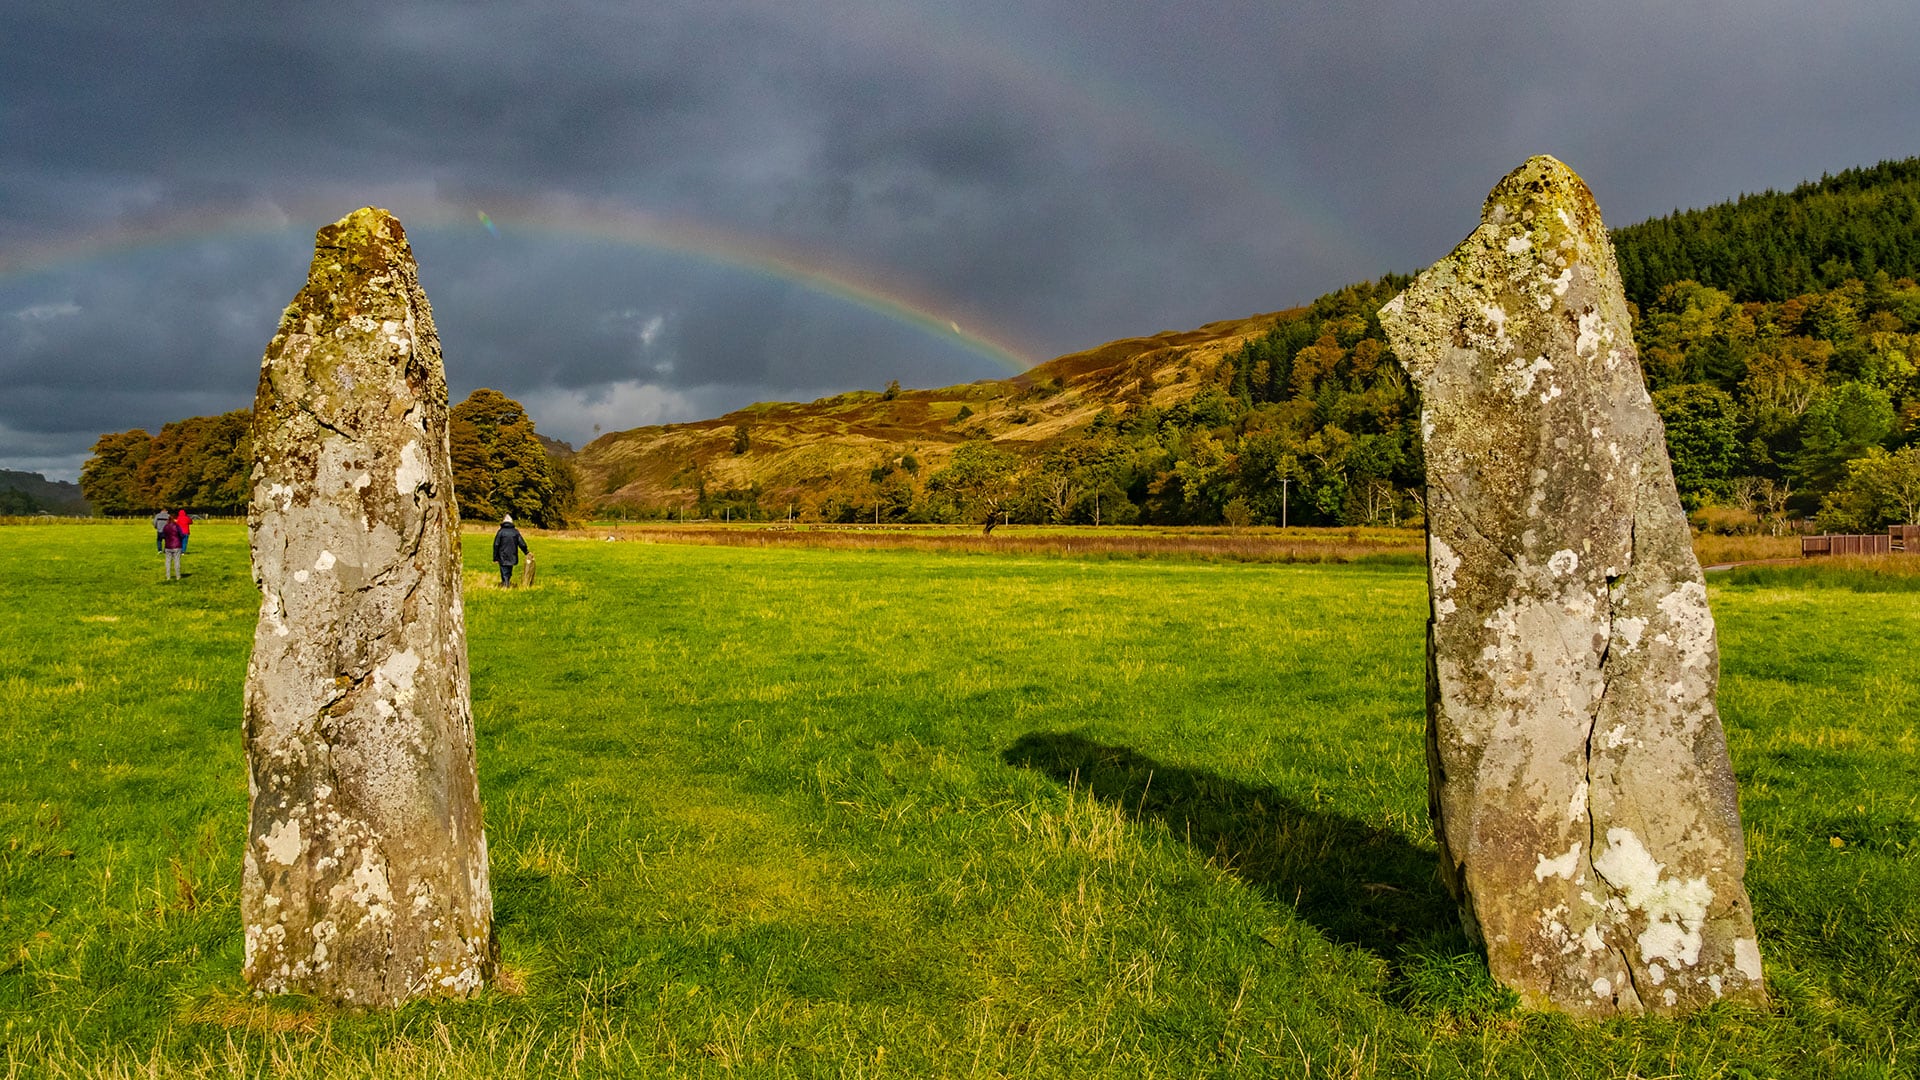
{"x": 1252, "y": 545}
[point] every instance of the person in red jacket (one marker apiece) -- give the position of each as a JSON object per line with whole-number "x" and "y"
{"x": 173, "y": 540}
{"x": 185, "y": 523}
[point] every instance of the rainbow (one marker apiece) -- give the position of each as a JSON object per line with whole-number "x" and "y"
{"x": 560, "y": 218}
{"x": 758, "y": 255}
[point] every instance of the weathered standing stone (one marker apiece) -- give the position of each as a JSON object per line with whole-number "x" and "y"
{"x": 1580, "y": 784}
{"x": 365, "y": 877}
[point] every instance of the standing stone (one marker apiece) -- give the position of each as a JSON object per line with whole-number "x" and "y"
{"x": 365, "y": 877}
{"x": 1580, "y": 785}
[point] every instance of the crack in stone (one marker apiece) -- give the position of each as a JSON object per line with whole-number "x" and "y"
{"x": 323, "y": 422}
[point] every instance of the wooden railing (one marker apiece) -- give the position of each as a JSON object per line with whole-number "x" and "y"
{"x": 1902, "y": 538}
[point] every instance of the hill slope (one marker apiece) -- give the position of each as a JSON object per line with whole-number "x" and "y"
{"x": 801, "y": 454}
{"x": 31, "y": 493}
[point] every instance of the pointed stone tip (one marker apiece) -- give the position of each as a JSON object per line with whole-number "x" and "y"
{"x": 1541, "y": 185}
{"x": 365, "y": 226}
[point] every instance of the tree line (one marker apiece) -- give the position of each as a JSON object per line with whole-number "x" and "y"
{"x": 204, "y": 463}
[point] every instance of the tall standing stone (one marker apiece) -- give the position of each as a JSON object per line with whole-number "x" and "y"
{"x": 365, "y": 876}
{"x": 1580, "y": 784}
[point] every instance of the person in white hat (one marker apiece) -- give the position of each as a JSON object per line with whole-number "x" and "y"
{"x": 507, "y": 546}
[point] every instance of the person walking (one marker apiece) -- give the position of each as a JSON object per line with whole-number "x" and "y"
{"x": 160, "y": 519}
{"x": 507, "y": 546}
{"x": 185, "y": 521}
{"x": 172, "y": 542}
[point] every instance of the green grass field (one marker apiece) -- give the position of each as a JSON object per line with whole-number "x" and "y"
{"x": 799, "y": 812}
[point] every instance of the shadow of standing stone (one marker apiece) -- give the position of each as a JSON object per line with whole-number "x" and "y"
{"x": 1359, "y": 884}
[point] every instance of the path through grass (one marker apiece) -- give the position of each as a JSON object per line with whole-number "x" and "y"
{"x": 884, "y": 813}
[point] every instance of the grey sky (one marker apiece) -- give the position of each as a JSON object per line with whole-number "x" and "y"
{"x": 1050, "y": 174}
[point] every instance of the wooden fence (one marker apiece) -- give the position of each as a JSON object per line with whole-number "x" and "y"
{"x": 1903, "y": 538}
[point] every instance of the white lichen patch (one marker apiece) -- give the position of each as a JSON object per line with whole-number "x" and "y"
{"x": 397, "y": 672}
{"x": 1563, "y": 562}
{"x": 463, "y": 981}
{"x": 325, "y": 562}
{"x": 1561, "y": 867}
{"x": 1443, "y": 563}
{"x": 368, "y": 888}
{"x": 1627, "y": 631}
{"x": 1496, "y": 317}
{"x": 282, "y": 842}
{"x": 324, "y": 934}
{"x": 1577, "y": 806}
{"x": 412, "y": 472}
{"x": 1675, "y": 908}
{"x": 1522, "y": 374}
{"x": 1690, "y": 623}
{"x": 1593, "y": 332}
{"x": 1519, "y": 243}
{"x": 1746, "y": 958}
{"x": 301, "y": 576}
{"x": 1602, "y": 987}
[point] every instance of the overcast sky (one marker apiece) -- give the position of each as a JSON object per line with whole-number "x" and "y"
{"x": 697, "y": 204}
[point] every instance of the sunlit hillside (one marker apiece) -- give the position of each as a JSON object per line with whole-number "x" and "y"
{"x": 799, "y": 453}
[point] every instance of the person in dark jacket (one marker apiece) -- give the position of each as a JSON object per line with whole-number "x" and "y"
{"x": 160, "y": 519}
{"x": 507, "y": 546}
{"x": 172, "y": 542}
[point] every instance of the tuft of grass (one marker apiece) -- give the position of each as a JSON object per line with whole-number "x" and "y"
{"x": 825, "y": 811}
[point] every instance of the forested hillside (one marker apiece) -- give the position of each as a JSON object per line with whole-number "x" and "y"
{"x": 1778, "y": 333}
{"x": 1774, "y": 246}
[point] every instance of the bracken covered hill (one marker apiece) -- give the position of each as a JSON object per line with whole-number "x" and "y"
{"x": 797, "y": 454}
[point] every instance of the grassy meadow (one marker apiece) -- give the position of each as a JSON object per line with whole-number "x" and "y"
{"x": 804, "y": 811}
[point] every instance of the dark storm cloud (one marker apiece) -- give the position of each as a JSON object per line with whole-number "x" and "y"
{"x": 1054, "y": 172}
